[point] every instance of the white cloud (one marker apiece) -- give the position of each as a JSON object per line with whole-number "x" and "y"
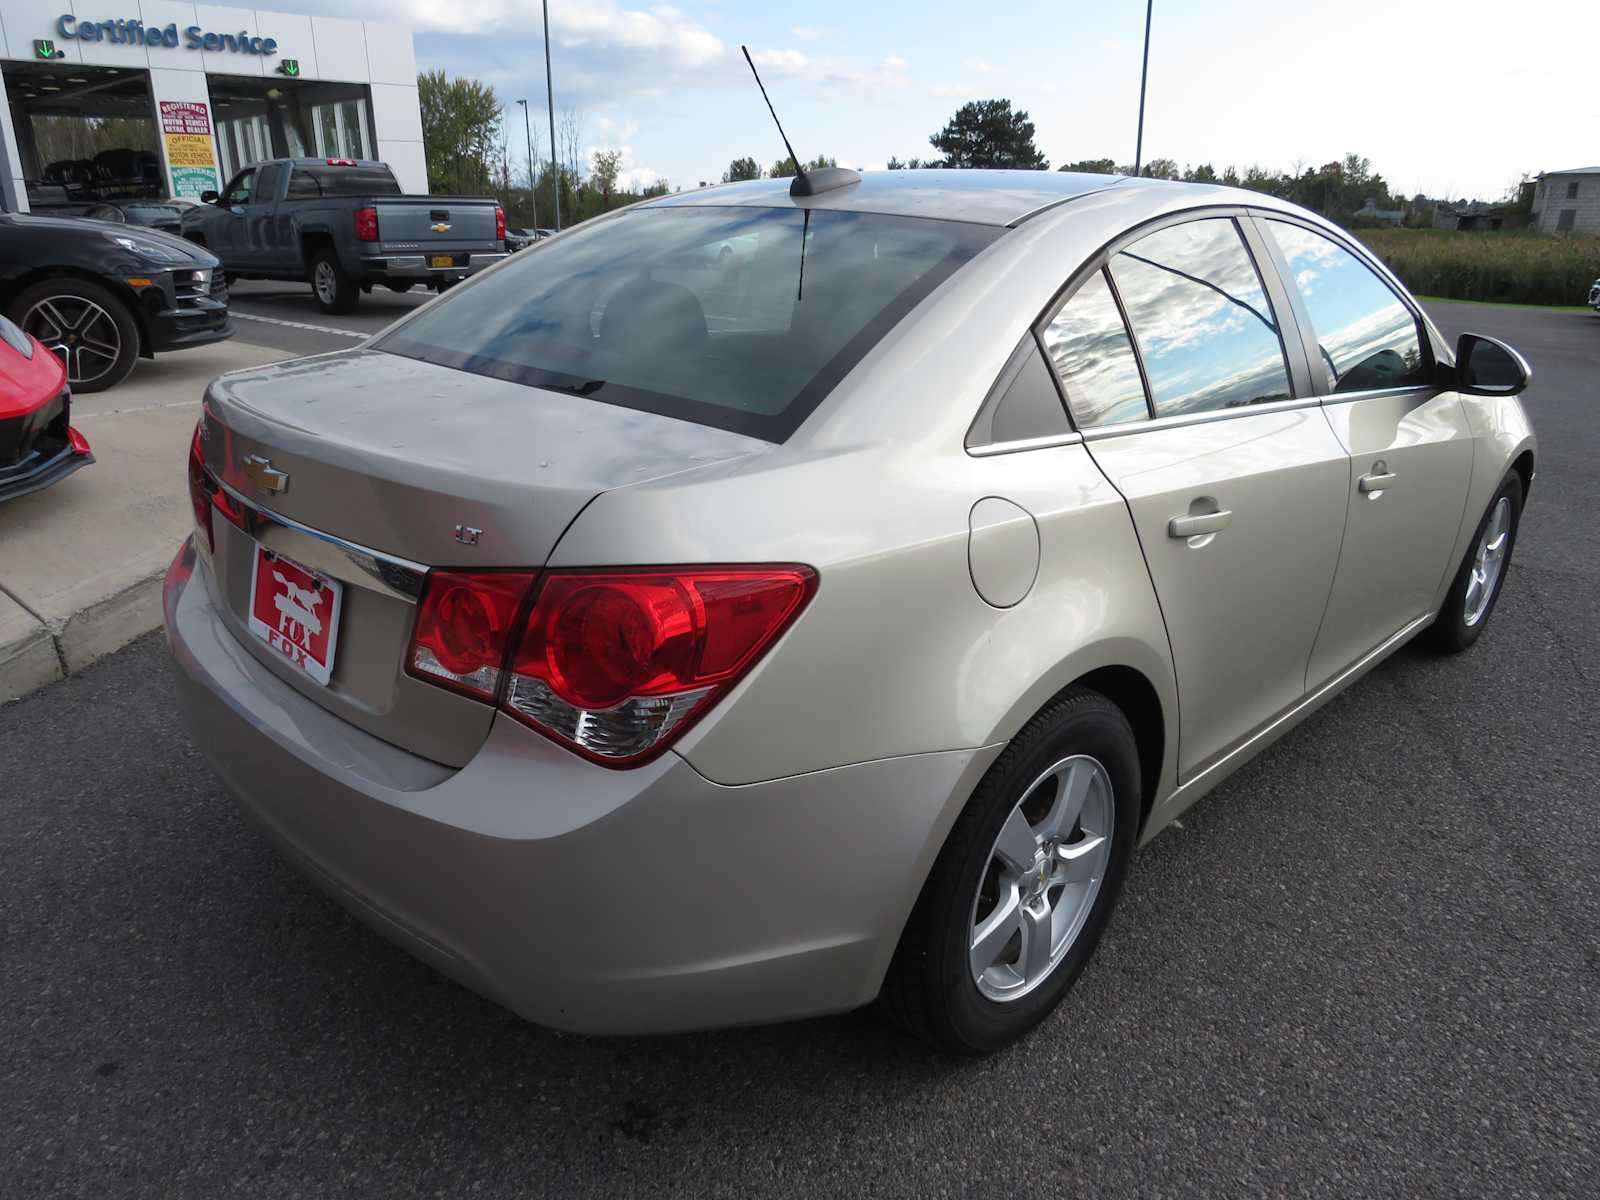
{"x": 808, "y": 33}
{"x": 782, "y": 62}
{"x": 895, "y": 63}
{"x": 982, "y": 66}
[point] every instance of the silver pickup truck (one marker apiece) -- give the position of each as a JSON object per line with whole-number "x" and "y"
{"x": 343, "y": 225}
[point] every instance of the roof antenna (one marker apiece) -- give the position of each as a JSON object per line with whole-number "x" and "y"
{"x": 806, "y": 183}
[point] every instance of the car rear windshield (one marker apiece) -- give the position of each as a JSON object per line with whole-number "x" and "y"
{"x": 741, "y": 318}
{"x": 320, "y": 180}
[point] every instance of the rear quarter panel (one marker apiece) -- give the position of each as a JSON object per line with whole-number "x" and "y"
{"x": 897, "y": 653}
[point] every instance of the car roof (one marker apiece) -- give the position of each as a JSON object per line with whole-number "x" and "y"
{"x": 979, "y": 196}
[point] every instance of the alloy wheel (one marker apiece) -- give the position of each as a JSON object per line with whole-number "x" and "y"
{"x": 79, "y": 332}
{"x": 1488, "y": 561}
{"x": 1041, "y": 878}
{"x": 327, "y": 285}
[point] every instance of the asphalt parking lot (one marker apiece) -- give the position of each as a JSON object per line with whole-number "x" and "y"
{"x": 1368, "y": 965}
{"x": 286, "y": 315}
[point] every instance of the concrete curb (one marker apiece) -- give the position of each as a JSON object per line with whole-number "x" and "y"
{"x": 81, "y": 563}
{"x": 37, "y": 655}
{"x": 28, "y": 655}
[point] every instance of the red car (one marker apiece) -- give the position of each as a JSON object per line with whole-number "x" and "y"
{"x": 37, "y": 444}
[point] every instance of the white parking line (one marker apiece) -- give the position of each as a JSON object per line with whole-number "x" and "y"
{"x": 349, "y": 333}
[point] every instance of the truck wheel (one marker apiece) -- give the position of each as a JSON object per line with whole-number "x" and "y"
{"x": 335, "y": 291}
{"x": 85, "y": 325}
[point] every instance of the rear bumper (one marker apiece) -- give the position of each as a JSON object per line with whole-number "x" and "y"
{"x": 583, "y": 898}
{"x": 414, "y": 267}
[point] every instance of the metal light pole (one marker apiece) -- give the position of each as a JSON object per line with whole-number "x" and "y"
{"x": 1144, "y": 74}
{"x": 527, "y": 132}
{"x": 549, "y": 91}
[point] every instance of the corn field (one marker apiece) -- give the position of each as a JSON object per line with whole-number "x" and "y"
{"x": 1510, "y": 268}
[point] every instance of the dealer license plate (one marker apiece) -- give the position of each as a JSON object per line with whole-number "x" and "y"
{"x": 296, "y": 612}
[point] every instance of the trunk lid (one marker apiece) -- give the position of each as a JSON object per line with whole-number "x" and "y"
{"x": 439, "y": 223}
{"x": 384, "y": 458}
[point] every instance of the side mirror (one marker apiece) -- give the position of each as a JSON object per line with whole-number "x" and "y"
{"x": 1486, "y": 367}
{"x": 208, "y": 197}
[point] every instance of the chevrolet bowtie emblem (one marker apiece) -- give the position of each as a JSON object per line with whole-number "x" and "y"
{"x": 442, "y": 227}
{"x": 264, "y": 475}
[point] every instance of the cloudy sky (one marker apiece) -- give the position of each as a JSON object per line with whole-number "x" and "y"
{"x": 1452, "y": 99}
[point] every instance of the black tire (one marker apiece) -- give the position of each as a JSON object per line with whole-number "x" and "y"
{"x": 1451, "y": 632}
{"x": 930, "y": 990}
{"x": 399, "y": 288}
{"x": 334, "y": 289}
{"x": 103, "y": 320}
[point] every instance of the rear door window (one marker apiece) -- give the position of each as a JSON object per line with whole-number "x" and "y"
{"x": 1093, "y": 358}
{"x": 267, "y": 183}
{"x": 1207, "y": 335}
{"x": 1366, "y": 338}
{"x": 743, "y": 318}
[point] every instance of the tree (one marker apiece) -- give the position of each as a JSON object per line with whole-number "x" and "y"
{"x": 741, "y": 169}
{"x": 603, "y": 168}
{"x": 784, "y": 168}
{"x": 1161, "y": 168}
{"x": 1092, "y": 166}
{"x": 460, "y": 132}
{"x": 569, "y": 133}
{"x": 987, "y": 133}
{"x": 1204, "y": 173}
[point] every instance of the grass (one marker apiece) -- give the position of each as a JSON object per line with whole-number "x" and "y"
{"x": 1577, "y": 308}
{"x": 1498, "y": 268}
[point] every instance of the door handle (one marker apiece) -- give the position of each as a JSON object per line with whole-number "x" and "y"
{"x": 1202, "y": 523}
{"x": 1376, "y": 481}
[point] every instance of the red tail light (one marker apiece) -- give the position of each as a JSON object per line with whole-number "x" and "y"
{"x": 366, "y": 224}
{"x": 464, "y": 630}
{"x": 500, "y": 224}
{"x": 79, "y": 443}
{"x": 206, "y": 494}
{"x": 199, "y": 490}
{"x": 615, "y": 665}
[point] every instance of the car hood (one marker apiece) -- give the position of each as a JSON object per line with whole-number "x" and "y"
{"x": 193, "y": 254}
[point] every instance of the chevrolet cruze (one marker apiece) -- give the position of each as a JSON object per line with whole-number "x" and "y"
{"x": 654, "y": 638}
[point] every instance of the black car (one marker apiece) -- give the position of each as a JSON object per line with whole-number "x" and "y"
{"x": 102, "y": 296}
{"x": 152, "y": 214}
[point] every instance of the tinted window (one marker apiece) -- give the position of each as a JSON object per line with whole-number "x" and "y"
{"x": 742, "y": 318}
{"x": 267, "y": 183}
{"x": 301, "y": 185}
{"x": 375, "y": 180}
{"x": 1029, "y": 407}
{"x": 1089, "y": 348}
{"x": 1206, "y": 332}
{"x": 1365, "y": 337}
{"x": 239, "y": 190}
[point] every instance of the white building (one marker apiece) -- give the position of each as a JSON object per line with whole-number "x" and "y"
{"x": 1567, "y": 201}
{"x": 129, "y": 98}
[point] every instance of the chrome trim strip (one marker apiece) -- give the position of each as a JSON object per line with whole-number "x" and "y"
{"x": 392, "y": 575}
{"x": 1377, "y": 393}
{"x": 1095, "y": 433}
{"x": 1361, "y": 664}
{"x": 1021, "y": 444}
{"x": 1060, "y": 200}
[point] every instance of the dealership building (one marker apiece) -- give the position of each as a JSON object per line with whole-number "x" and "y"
{"x": 122, "y": 99}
